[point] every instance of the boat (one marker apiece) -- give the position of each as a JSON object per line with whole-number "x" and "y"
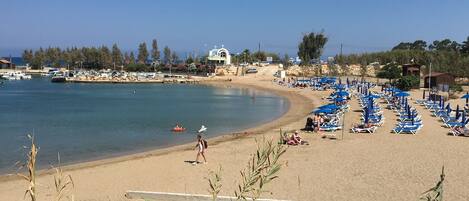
{"x": 178, "y": 129}
{"x": 16, "y": 75}
{"x": 58, "y": 79}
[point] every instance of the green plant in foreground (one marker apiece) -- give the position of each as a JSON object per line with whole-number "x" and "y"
{"x": 435, "y": 193}
{"x": 261, "y": 170}
{"x": 214, "y": 181}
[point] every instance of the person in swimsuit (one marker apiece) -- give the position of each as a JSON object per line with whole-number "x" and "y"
{"x": 201, "y": 150}
{"x": 317, "y": 122}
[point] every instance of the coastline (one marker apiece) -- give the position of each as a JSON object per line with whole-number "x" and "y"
{"x": 292, "y": 114}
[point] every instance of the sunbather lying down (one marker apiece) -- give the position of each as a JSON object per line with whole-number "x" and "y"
{"x": 294, "y": 139}
{"x": 460, "y": 130}
{"x": 360, "y": 128}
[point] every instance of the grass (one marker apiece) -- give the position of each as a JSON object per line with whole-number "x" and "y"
{"x": 63, "y": 182}
{"x": 31, "y": 165}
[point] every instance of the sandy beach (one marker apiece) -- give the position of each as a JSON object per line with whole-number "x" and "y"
{"x": 379, "y": 166}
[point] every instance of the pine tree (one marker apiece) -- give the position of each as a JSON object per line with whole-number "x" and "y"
{"x": 142, "y": 53}
{"x": 105, "y": 58}
{"x": 116, "y": 55}
{"x": 155, "y": 53}
{"x": 167, "y": 55}
{"x": 132, "y": 58}
{"x": 28, "y": 56}
{"x": 174, "y": 58}
{"x": 126, "y": 59}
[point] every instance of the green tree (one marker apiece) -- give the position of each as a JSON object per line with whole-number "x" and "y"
{"x": 174, "y": 57}
{"x": 126, "y": 58}
{"x": 142, "y": 53}
{"x": 246, "y": 56}
{"x": 155, "y": 52}
{"x": 465, "y": 46}
{"x": 39, "y": 59}
{"x": 445, "y": 45}
{"x": 105, "y": 58}
{"x": 189, "y": 60}
{"x": 311, "y": 47}
{"x": 28, "y": 56}
{"x": 390, "y": 71}
{"x": 116, "y": 55}
{"x": 416, "y": 45}
{"x": 167, "y": 55}
{"x": 132, "y": 58}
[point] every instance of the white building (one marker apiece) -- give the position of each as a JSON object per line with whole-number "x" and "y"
{"x": 220, "y": 56}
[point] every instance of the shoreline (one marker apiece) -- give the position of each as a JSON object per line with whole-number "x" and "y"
{"x": 294, "y": 102}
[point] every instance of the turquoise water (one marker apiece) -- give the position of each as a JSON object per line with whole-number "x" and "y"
{"x": 90, "y": 121}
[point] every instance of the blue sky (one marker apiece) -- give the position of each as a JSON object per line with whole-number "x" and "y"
{"x": 196, "y": 26}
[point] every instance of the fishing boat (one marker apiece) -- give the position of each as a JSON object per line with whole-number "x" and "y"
{"x": 58, "y": 78}
{"x": 16, "y": 75}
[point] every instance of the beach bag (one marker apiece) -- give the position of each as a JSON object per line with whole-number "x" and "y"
{"x": 205, "y": 144}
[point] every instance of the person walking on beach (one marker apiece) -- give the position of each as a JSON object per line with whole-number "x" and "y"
{"x": 201, "y": 146}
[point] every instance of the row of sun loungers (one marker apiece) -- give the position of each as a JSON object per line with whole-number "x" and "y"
{"x": 456, "y": 120}
{"x": 371, "y": 116}
{"x": 409, "y": 121}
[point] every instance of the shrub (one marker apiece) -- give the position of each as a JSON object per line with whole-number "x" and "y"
{"x": 408, "y": 82}
{"x": 136, "y": 67}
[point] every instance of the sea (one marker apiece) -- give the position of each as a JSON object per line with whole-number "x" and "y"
{"x": 85, "y": 122}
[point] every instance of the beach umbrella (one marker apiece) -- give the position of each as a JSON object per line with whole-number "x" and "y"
{"x": 423, "y": 95}
{"x": 367, "y": 114}
{"x": 348, "y": 83}
{"x": 402, "y": 94}
{"x": 413, "y": 118}
{"x": 329, "y": 106}
{"x": 448, "y": 109}
{"x": 373, "y": 96}
{"x": 466, "y": 97}
{"x": 342, "y": 93}
{"x": 370, "y": 103}
{"x": 325, "y": 111}
{"x": 340, "y": 99}
{"x": 457, "y": 112}
{"x": 463, "y": 117}
{"x": 409, "y": 115}
{"x": 443, "y": 102}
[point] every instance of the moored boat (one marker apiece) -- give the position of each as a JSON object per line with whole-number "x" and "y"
{"x": 58, "y": 79}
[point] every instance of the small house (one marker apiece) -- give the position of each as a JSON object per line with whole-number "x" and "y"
{"x": 6, "y": 64}
{"x": 440, "y": 80}
{"x": 411, "y": 69}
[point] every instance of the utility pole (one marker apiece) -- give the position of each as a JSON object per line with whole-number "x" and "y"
{"x": 430, "y": 78}
{"x": 341, "y": 49}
